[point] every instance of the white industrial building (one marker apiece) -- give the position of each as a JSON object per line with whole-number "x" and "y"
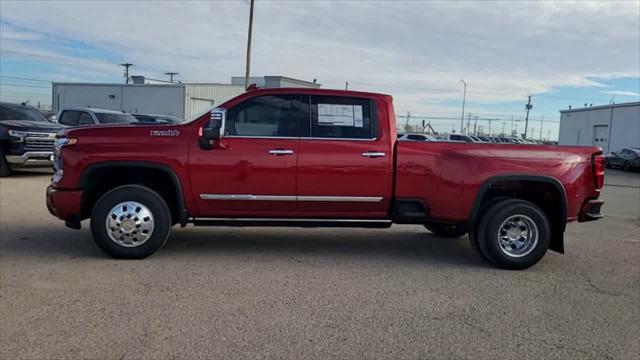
{"x": 611, "y": 127}
{"x": 183, "y": 100}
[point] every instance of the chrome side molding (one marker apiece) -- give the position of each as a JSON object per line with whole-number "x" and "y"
{"x": 248, "y": 197}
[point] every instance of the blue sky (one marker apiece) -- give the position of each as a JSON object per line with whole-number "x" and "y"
{"x": 416, "y": 51}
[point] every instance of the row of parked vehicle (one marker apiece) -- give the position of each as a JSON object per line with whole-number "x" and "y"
{"x": 468, "y": 138}
{"x": 27, "y": 137}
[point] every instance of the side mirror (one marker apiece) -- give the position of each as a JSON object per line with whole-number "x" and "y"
{"x": 214, "y": 130}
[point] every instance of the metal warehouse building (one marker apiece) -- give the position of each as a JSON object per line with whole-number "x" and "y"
{"x": 611, "y": 127}
{"x": 183, "y": 100}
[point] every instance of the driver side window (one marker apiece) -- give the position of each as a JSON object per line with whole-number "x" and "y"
{"x": 269, "y": 116}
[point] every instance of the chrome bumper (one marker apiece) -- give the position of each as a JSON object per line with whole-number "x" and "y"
{"x": 31, "y": 158}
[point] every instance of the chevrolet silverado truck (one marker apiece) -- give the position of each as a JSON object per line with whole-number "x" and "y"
{"x": 26, "y": 138}
{"x": 316, "y": 158}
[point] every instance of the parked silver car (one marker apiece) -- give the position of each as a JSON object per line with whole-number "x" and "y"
{"x": 91, "y": 116}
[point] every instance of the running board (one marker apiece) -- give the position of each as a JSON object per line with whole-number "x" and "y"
{"x": 292, "y": 222}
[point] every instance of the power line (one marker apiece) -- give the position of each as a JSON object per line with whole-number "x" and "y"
{"x": 26, "y": 79}
{"x": 24, "y": 85}
{"x": 33, "y": 55}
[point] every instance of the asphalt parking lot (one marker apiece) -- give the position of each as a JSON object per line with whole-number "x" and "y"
{"x": 314, "y": 293}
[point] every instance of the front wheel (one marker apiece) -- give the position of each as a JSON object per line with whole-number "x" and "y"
{"x": 131, "y": 222}
{"x": 447, "y": 230}
{"x": 5, "y": 170}
{"x": 514, "y": 234}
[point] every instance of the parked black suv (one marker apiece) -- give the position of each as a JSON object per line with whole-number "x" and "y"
{"x": 26, "y": 138}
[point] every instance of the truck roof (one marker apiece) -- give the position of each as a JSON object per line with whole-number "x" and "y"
{"x": 316, "y": 91}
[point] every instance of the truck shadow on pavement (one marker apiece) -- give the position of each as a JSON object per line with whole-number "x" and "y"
{"x": 412, "y": 245}
{"x": 256, "y": 244}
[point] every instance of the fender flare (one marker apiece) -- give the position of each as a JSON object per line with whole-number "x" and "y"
{"x": 557, "y": 241}
{"x": 182, "y": 211}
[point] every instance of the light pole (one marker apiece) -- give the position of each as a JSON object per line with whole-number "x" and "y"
{"x": 464, "y": 99}
{"x": 246, "y": 74}
{"x": 171, "y": 75}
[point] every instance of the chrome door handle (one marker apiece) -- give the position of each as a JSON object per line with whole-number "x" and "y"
{"x": 281, "y": 152}
{"x": 373, "y": 154}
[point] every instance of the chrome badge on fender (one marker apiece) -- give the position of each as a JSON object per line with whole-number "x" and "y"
{"x": 164, "y": 132}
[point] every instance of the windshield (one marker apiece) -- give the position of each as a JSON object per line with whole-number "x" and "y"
{"x": 20, "y": 112}
{"x": 108, "y": 118}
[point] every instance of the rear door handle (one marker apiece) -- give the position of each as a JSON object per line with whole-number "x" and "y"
{"x": 279, "y": 152}
{"x": 373, "y": 154}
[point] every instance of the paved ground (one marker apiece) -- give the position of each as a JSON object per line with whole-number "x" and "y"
{"x": 302, "y": 294}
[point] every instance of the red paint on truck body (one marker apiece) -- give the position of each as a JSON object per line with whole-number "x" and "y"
{"x": 447, "y": 176}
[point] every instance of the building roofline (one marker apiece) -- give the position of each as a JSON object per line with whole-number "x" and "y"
{"x": 305, "y": 82}
{"x": 600, "y": 107}
{"x": 120, "y": 84}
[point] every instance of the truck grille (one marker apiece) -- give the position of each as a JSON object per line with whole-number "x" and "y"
{"x": 39, "y": 141}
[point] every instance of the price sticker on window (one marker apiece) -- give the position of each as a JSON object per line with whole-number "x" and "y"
{"x": 340, "y": 115}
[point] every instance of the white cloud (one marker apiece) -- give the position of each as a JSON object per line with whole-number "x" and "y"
{"x": 622, "y": 93}
{"x": 417, "y": 51}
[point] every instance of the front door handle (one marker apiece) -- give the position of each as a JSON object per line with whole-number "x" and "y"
{"x": 373, "y": 154}
{"x": 279, "y": 152}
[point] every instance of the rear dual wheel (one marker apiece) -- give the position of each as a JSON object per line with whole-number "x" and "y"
{"x": 513, "y": 234}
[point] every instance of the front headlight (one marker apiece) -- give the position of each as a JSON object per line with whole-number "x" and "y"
{"x": 17, "y": 134}
{"x": 58, "y": 145}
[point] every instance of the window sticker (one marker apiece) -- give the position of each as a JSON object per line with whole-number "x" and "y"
{"x": 340, "y": 115}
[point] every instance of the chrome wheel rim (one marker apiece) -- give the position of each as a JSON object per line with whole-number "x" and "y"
{"x": 518, "y": 236}
{"x": 130, "y": 224}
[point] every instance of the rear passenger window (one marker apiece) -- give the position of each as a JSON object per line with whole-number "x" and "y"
{"x": 270, "y": 115}
{"x": 85, "y": 119}
{"x": 69, "y": 118}
{"x": 342, "y": 117}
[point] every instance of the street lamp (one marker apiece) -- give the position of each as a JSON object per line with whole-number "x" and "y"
{"x": 464, "y": 99}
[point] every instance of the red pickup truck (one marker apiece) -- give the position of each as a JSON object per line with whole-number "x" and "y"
{"x": 311, "y": 158}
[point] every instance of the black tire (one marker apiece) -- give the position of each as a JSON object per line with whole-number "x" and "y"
{"x": 155, "y": 205}
{"x": 5, "y": 170}
{"x": 626, "y": 166}
{"x": 491, "y": 223}
{"x": 473, "y": 231}
{"x": 447, "y": 230}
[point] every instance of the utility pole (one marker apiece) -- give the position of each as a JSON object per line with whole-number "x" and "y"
{"x": 541, "y": 125}
{"x": 126, "y": 71}
{"x": 346, "y": 85}
{"x": 406, "y": 124}
{"x": 503, "y": 124}
{"x": 489, "y": 127}
{"x": 246, "y": 73}
{"x": 475, "y": 125}
{"x": 171, "y": 74}
{"x": 526, "y": 120}
{"x": 548, "y": 135}
{"x": 468, "y": 122}
{"x": 464, "y": 99}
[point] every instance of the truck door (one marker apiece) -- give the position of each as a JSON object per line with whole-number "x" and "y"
{"x": 252, "y": 171}
{"x": 344, "y": 162}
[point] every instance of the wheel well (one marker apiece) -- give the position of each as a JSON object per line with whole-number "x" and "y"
{"x": 96, "y": 182}
{"x": 549, "y": 196}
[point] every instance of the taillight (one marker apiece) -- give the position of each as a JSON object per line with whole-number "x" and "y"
{"x": 597, "y": 166}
